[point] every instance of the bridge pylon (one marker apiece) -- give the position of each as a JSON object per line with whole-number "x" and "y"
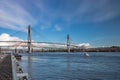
{"x": 68, "y": 43}
{"x": 29, "y": 39}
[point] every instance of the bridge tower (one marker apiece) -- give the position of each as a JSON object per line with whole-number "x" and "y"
{"x": 68, "y": 43}
{"x": 29, "y": 39}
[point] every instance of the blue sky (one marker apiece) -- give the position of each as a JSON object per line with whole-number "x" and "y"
{"x": 87, "y": 21}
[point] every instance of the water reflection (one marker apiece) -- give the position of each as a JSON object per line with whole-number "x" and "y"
{"x": 68, "y": 63}
{"x": 29, "y": 66}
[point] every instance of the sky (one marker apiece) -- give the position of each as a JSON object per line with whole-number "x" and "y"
{"x": 90, "y": 22}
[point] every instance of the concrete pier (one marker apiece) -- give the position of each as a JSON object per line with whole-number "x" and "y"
{"x": 17, "y": 71}
{"x": 6, "y": 67}
{"x": 10, "y": 68}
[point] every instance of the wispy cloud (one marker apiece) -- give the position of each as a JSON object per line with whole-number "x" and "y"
{"x": 92, "y": 11}
{"x": 45, "y": 13}
{"x": 58, "y": 27}
{"x": 95, "y": 11}
{"x": 14, "y": 16}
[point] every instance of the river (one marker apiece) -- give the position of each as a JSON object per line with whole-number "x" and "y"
{"x": 72, "y": 66}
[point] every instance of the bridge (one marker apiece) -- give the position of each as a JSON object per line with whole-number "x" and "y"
{"x": 30, "y": 46}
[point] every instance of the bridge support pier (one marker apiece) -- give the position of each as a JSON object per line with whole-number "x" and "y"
{"x": 15, "y": 50}
{"x": 0, "y": 50}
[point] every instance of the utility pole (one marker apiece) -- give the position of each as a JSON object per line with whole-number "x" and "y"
{"x": 68, "y": 43}
{"x": 29, "y": 39}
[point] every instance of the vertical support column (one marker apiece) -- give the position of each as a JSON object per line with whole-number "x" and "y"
{"x": 29, "y": 39}
{"x": 0, "y": 50}
{"x": 68, "y": 43}
{"x": 15, "y": 50}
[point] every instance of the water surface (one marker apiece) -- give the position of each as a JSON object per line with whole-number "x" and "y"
{"x": 73, "y": 66}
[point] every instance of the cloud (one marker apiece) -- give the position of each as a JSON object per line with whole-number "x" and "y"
{"x": 94, "y": 11}
{"x": 77, "y": 11}
{"x": 17, "y": 14}
{"x": 14, "y": 16}
{"x": 7, "y": 37}
{"x": 58, "y": 28}
{"x": 84, "y": 45}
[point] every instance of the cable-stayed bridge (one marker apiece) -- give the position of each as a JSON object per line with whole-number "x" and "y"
{"x": 30, "y": 46}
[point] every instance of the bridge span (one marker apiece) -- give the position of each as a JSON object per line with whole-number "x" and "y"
{"x": 29, "y": 45}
